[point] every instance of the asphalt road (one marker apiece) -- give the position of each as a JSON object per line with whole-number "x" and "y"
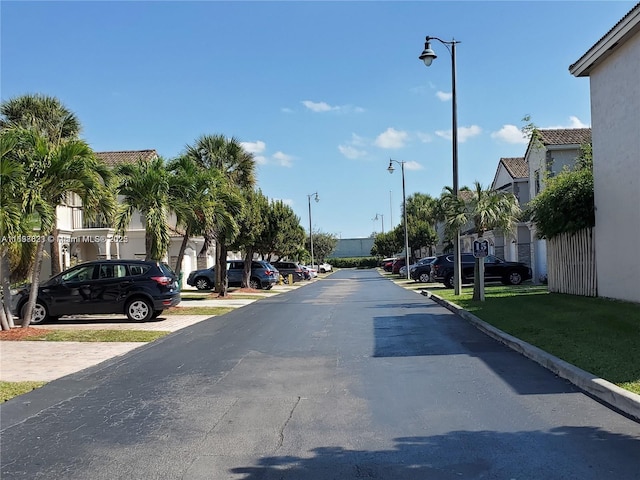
{"x": 349, "y": 377}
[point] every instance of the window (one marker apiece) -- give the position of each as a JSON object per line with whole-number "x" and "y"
{"x": 80, "y": 274}
{"x": 138, "y": 269}
{"x": 536, "y": 182}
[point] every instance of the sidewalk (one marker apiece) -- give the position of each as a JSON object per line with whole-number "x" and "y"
{"x": 46, "y": 361}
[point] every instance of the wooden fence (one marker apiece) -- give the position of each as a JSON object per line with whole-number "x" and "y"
{"x": 571, "y": 263}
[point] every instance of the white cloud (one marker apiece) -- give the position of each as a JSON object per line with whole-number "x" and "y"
{"x": 391, "y": 138}
{"x": 574, "y": 122}
{"x": 260, "y": 159}
{"x": 412, "y": 165}
{"x": 254, "y": 147}
{"x": 325, "y": 107}
{"x": 357, "y": 140}
{"x": 351, "y": 152}
{"x": 318, "y": 106}
{"x": 464, "y": 133}
{"x": 283, "y": 159}
{"x": 286, "y": 110}
{"x": 510, "y": 134}
{"x": 444, "y": 96}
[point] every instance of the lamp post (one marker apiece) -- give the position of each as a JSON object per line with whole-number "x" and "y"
{"x": 310, "y": 231}
{"x": 390, "y": 169}
{"x": 381, "y": 218}
{"x": 428, "y": 56}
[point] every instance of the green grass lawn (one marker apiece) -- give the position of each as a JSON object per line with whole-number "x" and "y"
{"x": 595, "y": 334}
{"x": 195, "y": 310}
{"x": 97, "y": 336}
{"x": 13, "y": 389}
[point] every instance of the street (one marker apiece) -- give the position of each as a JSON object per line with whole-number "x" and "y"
{"x": 349, "y": 377}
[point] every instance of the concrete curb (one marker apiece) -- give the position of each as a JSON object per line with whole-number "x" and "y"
{"x": 618, "y": 398}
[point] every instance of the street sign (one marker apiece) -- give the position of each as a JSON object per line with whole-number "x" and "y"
{"x": 480, "y": 248}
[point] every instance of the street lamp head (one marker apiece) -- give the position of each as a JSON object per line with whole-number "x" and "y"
{"x": 427, "y": 55}
{"x": 390, "y": 168}
{"x": 317, "y": 198}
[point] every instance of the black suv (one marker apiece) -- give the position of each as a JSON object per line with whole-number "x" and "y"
{"x": 263, "y": 275}
{"x": 495, "y": 269}
{"x": 289, "y": 268}
{"x": 139, "y": 289}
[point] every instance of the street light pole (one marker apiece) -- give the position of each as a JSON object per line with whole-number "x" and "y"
{"x": 381, "y": 218}
{"x": 310, "y": 231}
{"x": 427, "y": 56}
{"x": 390, "y": 169}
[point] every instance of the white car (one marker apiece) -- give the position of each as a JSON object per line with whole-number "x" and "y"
{"x": 310, "y": 272}
{"x": 324, "y": 268}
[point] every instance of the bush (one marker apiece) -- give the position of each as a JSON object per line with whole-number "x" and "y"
{"x": 354, "y": 262}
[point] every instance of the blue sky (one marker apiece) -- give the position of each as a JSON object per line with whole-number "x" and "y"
{"x": 323, "y": 93}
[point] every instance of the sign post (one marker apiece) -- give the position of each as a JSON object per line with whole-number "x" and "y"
{"x": 480, "y": 251}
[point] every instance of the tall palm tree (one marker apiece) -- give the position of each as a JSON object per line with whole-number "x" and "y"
{"x": 52, "y": 170}
{"x": 145, "y": 188}
{"x": 49, "y": 118}
{"x": 238, "y": 168}
{"x": 200, "y": 199}
{"x": 486, "y": 210}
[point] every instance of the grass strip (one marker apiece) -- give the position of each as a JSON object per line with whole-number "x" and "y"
{"x": 13, "y": 389}
{"x": 212, "y": 311}
{"x": 595, "y": 334}
{"x": 79, "y": 335}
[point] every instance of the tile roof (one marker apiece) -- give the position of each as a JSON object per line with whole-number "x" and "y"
{"x": 565, "y": 136}
{"x": 127, "y": 156}
{"x": 517, "y": 167}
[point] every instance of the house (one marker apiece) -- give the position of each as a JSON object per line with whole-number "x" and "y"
{"x": 512, "y": 176}
{"x": 613, "y": 68}
{"x": 82, "y": 240}
{"x": 549, "y": 151}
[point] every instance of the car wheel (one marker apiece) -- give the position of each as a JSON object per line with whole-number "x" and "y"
{"x": 285, "y": 279}
{"x": 202, "y": 284}
{"x": 448, "y": 281}
{"x": 39, "y": 315}
{"x": 425, "y": 277}
{"x": 139, "y": 310}
{"x": 254, "y": 283}
{"x": 514, "y": 278}
{"x": 322, "y": 270}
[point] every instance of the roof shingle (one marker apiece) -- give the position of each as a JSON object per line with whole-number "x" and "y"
{"x": 565, "y": 136}
{"x": 127, "y": 156}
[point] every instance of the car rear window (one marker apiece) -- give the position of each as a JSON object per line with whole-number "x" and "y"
{"x": 135, "y": 270}
{"x": 166, "y": 269}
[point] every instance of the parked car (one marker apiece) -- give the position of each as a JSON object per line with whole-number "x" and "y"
{"x": 495, "y": 269}
{"x": 139, "y": 289}
{"x": 324, "y": 267}
{"x": 387, "y": 264}
{"x": 289, "y": 268}
{"x": 312, "y": 271}
{"x": 263, "y": 275}
{"x": 421, "y": 270}
{"x": 397, "y": 264}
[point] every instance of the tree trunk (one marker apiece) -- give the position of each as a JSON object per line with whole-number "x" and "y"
{"x": 246, "y": 274}
{"x": 222, "y": 281}
{"x": 55, "y": 251}
{"x": 183, "y": 248}
{"x": 147, "y": 245}
{"x": 35, "y": 283}
{"x": 5, "y": 276}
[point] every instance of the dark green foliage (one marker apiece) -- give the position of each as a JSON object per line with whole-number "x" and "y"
{"x": 323, "y": 245}
{"x": 566, "y": 205}
{"x": 354, "y": 262}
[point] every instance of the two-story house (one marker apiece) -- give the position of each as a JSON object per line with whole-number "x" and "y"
{"x": 81, "y": 240}
{"x": 613, "y": 67}
{"x": 548, "y": 153}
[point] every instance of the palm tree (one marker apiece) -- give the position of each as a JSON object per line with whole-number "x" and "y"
{"x": 486, "y": 210}
{"x": 200, "y": 199}
{"x": 144, "y": 186}
{"x": 238, "y": 168}
{"x": 49, "y": 118}
{"x": 53, "y": 170}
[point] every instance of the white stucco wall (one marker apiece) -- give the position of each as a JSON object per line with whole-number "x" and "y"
{"x": 615, "y": 117}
